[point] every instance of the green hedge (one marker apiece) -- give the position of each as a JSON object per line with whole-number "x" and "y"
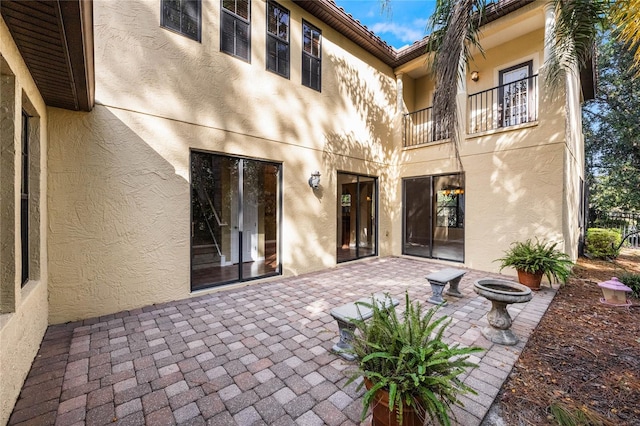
{"x": 632, "y": 281}
{"x": 603, "y": 243}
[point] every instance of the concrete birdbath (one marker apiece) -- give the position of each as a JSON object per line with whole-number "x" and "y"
{"x": 501, "y": 293}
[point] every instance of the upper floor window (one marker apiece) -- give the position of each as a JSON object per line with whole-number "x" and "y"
{"x": 515, "y": 94}
{"x": 277, "y": 39}
{"x": 311, "y": 56}
{"x": 235, "y": 29}
{"x": 513, "y": 102}
{"x": 182, "y": 16}
{"x": 24, "y": 199}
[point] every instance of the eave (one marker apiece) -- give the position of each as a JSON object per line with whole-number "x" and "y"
{"x": 55, "y": 39}
{"x": 334, "y": 16}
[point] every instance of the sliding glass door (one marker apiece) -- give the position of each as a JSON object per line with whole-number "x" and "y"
{"x": 235, "y": 204}
{"x": 357, "y": 212}
{"x": 433, "y": 217}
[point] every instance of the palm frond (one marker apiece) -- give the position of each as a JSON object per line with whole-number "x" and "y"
{"x": 574, "y": 35}
{"x": 454, "y": 29}
{"x": 624, "y": 18}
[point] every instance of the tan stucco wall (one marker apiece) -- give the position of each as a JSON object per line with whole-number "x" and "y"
{"x": 119, "y": 176}
{"x": 24, "y": 310}
{"x": 520, "y": 182}
{"x": 574, "y": 164}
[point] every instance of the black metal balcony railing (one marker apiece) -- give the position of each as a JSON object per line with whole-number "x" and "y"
{"x": 421, "y": 128}
{"x": 503, "y": 106}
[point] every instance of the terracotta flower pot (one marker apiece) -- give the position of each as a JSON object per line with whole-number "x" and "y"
{"x": 383, "y": 417}
{"x": 530, "y": 280}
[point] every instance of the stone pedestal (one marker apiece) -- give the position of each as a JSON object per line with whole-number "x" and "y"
{"x": 436, "y": 294}
{"x": 499, "y": 329}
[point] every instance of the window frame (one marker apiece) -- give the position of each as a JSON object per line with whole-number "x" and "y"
{"x": 241, "y": 274}
{"x": 311, "y": 57}
{"x": 224, "y": 12}
{"x": 181, "y": 31}
{"x": 24, "y": 200}
{"x": 278, "y": 41}
{"x": 501, "y": 92}
{"x": 427, "y": 212}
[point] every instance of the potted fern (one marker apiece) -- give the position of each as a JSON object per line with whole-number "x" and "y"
{"x": 534, "y": 259}
{"x": 409, "y": 372}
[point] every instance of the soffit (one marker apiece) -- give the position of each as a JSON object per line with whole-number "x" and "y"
{"x": 334, "y": 16}
{"x": 55, "y": 39}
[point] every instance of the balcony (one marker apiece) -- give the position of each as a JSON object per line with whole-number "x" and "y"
{"x": 420, "y": 128}
{"x": 503, "y": 106}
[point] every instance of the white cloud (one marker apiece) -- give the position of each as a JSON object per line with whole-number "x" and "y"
{"x": 403, "y": 32}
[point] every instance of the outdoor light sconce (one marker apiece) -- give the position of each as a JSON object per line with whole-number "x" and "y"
{"x": 314, "y": 180}
{"x": 475, "y": 76}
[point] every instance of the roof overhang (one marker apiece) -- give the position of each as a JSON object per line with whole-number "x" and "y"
{"x": 345, "y": 24}
{"x": 55, "y": 39}
{"x": 588, "y": 79}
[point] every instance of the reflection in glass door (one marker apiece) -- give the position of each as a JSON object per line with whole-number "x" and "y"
{"x": 433, "y": 217}
{"x": 357, "y": 212}
{"x": 234, "y": 219}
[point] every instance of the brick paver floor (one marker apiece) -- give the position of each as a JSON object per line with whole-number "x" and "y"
{"x": 257, "y": 355}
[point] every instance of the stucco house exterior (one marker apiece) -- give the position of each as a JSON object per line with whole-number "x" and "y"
{"x": 157, "y": 149}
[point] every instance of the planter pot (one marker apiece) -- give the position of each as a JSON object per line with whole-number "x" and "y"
{"x": 383, "y": 417}
{"x": 530, "y": 280}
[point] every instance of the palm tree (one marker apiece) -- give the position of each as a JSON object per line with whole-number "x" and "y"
{"x": 454, "y": 29}
{"x": 624, "y": 18}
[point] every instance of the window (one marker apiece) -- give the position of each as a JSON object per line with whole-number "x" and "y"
{"x": 278, "y": 39}
{"x": 24, "y": 199}
{"x": 235, "y": 29}
{"x": 311, "y": 56}
{"x": 515, "y": 94}
{"x": 182, "y": 16}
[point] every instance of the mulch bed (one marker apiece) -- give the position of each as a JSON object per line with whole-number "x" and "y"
{"x": 583, "y": 359}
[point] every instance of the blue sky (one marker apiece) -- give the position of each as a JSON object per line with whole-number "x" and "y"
{"x": 402, "y": 25}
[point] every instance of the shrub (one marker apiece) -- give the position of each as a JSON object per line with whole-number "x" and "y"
{"x": 602, "y": 243}
{"x": 632, "y": 281}
{"x": 539, "y": 256}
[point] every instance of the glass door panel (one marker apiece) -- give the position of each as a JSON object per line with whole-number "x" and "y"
{"x": 433, "y": 216}
{"x": 357, "y": 217}
{"x": 234, "y": 219}
{"x": 417, "y": 218}
{"x": 514, "y": 84}
{"x": 448, "y": 212}
{"x": 366, "y": 217}
{"x": 260, "y": 222}
{"x": 214, "y": 230}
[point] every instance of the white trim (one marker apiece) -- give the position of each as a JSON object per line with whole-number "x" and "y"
{"x": 535, "y": 66}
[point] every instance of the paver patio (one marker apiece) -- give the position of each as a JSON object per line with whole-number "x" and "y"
{"x": 255, "y": 355}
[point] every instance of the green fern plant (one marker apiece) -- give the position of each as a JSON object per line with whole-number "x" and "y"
{"x": 539, "y": 256}
{"x": 405, "y": 355}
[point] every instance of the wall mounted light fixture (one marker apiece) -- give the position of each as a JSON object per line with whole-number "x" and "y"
{"x": 475, "y": 75}
{"x": 314, "y": 180}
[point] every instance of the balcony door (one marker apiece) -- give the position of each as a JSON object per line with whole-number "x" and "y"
{"x": 234, "y": 219}
{"x": 433, "y": 217}
{"x": 515, "y": 94}
{"x": 357, "y": 217}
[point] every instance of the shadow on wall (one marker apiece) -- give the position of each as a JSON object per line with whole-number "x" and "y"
{"x": 522, "y": 176}
{"x": 375, "y": 151}
{"x": 118, "y": 218}
{"x": 251, "y": 112}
